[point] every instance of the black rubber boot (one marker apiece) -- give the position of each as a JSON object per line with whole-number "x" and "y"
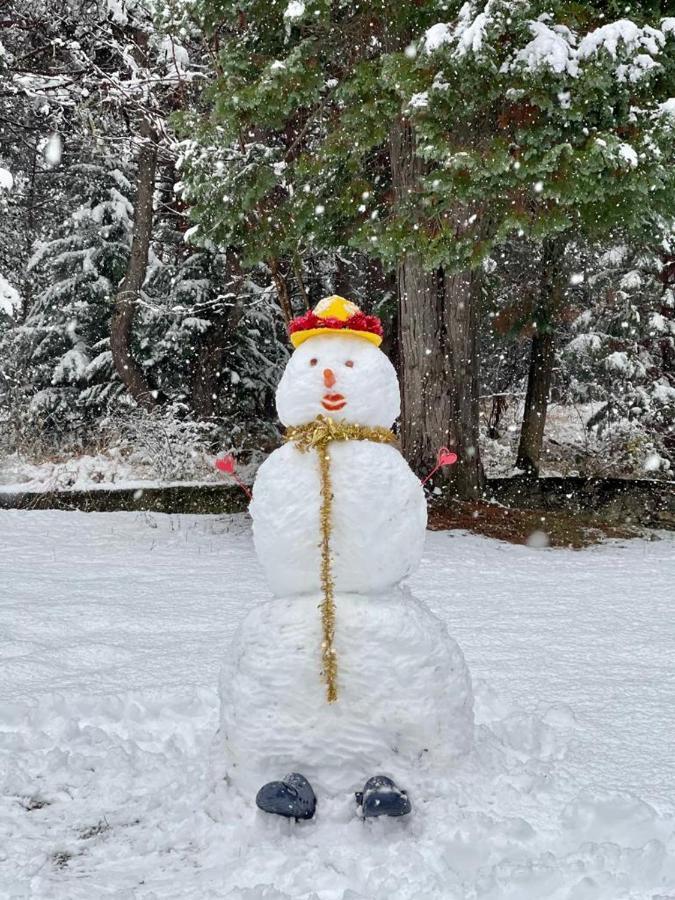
{"x": 293, "y": 797}
{"x": 381, "y": 797}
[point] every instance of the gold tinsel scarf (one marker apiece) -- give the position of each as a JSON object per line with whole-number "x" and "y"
{"x": 318, "y": 435}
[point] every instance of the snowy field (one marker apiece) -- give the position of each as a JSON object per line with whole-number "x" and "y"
{"x": 112, "y": 630}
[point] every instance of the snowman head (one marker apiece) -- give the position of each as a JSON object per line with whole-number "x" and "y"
{"x": 337, "y": 370}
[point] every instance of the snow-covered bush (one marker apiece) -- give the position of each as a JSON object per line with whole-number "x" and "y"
{"x": 165, "y": 444}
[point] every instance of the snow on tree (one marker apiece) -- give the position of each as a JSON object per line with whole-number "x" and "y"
{"x": 542, "y": 123}
{"x": 622, "y": 352}
{"x": 10, "y": 299}
{"x": 60, "y": 351}
{"x": 80, "y": 110}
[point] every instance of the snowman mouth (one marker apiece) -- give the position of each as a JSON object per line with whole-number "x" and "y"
{"x": 333, "y": 402}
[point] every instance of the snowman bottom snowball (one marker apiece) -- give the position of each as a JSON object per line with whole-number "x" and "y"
{"x": 344, "y": 682}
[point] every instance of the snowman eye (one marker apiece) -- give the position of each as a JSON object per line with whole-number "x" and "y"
{"x": 350, "y": 363}
{"x": 313, "y": 361}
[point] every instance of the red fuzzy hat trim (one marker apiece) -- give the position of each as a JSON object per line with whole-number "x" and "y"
{"x": 358, "y": 322}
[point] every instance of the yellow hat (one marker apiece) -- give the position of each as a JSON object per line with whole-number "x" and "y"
{"x": 335, "y": 315}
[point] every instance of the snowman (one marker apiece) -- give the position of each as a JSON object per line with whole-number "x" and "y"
{"x": 343, "y": 680}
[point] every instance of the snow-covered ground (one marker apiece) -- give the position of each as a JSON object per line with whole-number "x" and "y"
{"x": 87, "y": 472}
{"x": 112, "y": 630}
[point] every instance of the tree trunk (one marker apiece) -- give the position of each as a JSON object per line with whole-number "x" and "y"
{"x": 426, "y": 409}
{"x": 461, "y": 298}
{"x": 121, "y": 326}
{"x": 206, "y": 382}
{"x": 495, "y": 417}
{"x": 437, "y": 340}
{"x": 342, "y": 282}
{"x": 283, "y": 293}
{"x": 542, "y": 356}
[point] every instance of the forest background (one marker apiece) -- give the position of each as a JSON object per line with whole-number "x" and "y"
{"x": 179, "y": 178}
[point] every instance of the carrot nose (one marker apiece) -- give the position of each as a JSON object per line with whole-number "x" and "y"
{"x": 328, "y": 378}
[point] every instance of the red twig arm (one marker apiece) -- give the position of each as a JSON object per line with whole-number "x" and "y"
{"x": 227, "y": 465}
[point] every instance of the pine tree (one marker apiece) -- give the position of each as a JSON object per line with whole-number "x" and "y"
{"x": 544, "y": 119}
{"x": 59, "y": 358}
{"x": 426, "y": 144}
{"x": 213, "y": 340}
{"x": 622, "y": 354}
{"x": 300, "y": 150}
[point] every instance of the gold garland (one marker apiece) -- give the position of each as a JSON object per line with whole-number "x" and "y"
{"x": 319, "y": 434}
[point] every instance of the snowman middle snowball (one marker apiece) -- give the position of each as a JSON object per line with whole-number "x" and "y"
{"x": 379, "y": 512}
{"x": 405, "y": 704}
